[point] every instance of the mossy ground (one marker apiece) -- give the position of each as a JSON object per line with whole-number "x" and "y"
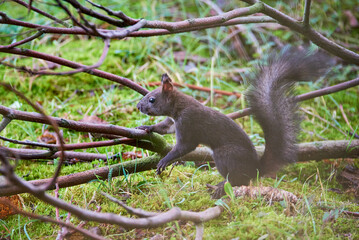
{"x": 144, "y": 60}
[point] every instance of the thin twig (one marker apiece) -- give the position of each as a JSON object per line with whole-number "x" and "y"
{"x": 74, "y": 125}
{"x": 49, "y": 121}
{"x": 199, "y": 88}
{"x": 4, "y": 122}
{"x": 73, "y": 19}
{"x": 310, "y": 33}
{"x": 124, "y": 32}
{"x": 328, "y": 90}
{"x": 84, "y": 68}
{"x": 29, "y": 143}
{"x": 143, "y": 33}
{"x": 90, "y": 25}
{"x": 71, "y": 64}
{"x": 41, "y": 12}
{"x": 27, "y": 154}
{"x": 15, "y": 44}
{"x": 48, "y": 219}
{"x": 306, "y": 14}
{"x": 110, "y": 218}
{"x": 306, "y": 96}
{"x": 354, "y": 214}
{"x": 324, "y": 120}
{"x": 133, "y": 211}
{"x": 118, "y": 14}
{"x": 94, "y": 14}
{"x": 242, "y": 51}
{"x": 345, "y": 117}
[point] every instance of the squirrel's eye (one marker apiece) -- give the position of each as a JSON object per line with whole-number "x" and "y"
{"x": 152, "y": 100}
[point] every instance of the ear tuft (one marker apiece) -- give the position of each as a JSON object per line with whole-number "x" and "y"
{"x": 167, "y": 85}
{"x": 165, "y": 78}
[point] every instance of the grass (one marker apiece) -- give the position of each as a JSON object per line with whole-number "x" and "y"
{"x": 144, "y": 60}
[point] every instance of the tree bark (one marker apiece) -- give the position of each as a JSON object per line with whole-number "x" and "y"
{"x": 306, "y": 151}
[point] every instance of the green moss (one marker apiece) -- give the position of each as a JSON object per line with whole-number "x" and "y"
{"x": 144, "y": 60}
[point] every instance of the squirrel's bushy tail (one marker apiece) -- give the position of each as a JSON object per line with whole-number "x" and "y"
{"x": 271, "y": 99}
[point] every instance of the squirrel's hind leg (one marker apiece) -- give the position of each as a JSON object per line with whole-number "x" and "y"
{"x": 236, "y": 164}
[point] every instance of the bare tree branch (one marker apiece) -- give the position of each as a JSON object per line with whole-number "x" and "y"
{"x": 198, "y": 88}
{"x": 306, "y": 96}
{"x": 27, "y": 154}
{"x": 29, "y": 143}
{"x": 74, "y": 125}
{"x": 73, "y": 19}
{"x": 15, "y": 44}
{"x": 41, "y": 12}
{"x": 306, "y": 13}
{"x": 110, "y": 218}
{"x": 112, "y": 21}
{"x": 152, "y": 142}
{"x": 51, "y": 220}
{"x": 207, "y": 21}
{"x": 133, "y": 211}
{"x": 4, "y": 122}
{"x": 48, "y": 121}
{"x": 311, "y": 34}
{"x": 124, "y": 32}
{"x": 71, "y": 64}
{"x": 328, "y": 90}
{"x": 118, "y": 14}
{"x": 306, "y": 151}
{"x": 201, "y": 23}
{"x": 84, "y": 68}
{"x": 143, "y": 33}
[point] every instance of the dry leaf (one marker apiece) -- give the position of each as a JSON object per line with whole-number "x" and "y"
{"x": 132, "y": 155}
{"x": 268, "y": 193}
{"x": 48, "y": 137}
{"x": 5, "y": 210}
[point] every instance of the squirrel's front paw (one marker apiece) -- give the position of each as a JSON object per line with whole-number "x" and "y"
{"x": 161, "y": 166}
{"x": 148, "y": 129}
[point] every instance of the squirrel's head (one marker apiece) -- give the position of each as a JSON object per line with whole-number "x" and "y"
{"x": 158, "y": 102}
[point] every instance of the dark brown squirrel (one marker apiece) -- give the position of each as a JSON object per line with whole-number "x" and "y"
{"x": 273, "y": 104}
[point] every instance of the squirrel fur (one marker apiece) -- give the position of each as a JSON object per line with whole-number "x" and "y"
{"x": 273, "y": 105}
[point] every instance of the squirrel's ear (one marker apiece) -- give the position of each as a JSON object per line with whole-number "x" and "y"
{"x": 167, "y": 85}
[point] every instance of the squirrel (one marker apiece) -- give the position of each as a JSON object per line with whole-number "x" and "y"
{"x": 273, "y": 104}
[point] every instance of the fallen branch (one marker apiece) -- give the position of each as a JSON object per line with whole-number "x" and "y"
{"x": 141, "y": 33}
{"x": 73, "y": 125}
{"x": 81, "y": 69}
{"x": 10, "y": 114}
{"x": 40, "y": 12}
{"x": 51, "y": 220}
{"x": 109, "y": 218}
{"x": 317, "y": 93}
{"x": 15, "y": 44}
{"x": 308, "y": 32}
{"x": 199, "y": 88}
{"x": 71, "y": 64}
{"x": 24, "y": 154}
{"x": 306, "y": 151}
{"x": 49, "y": 121}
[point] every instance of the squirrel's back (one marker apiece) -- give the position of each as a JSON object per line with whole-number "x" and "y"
{"x": 273, "y": 104}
